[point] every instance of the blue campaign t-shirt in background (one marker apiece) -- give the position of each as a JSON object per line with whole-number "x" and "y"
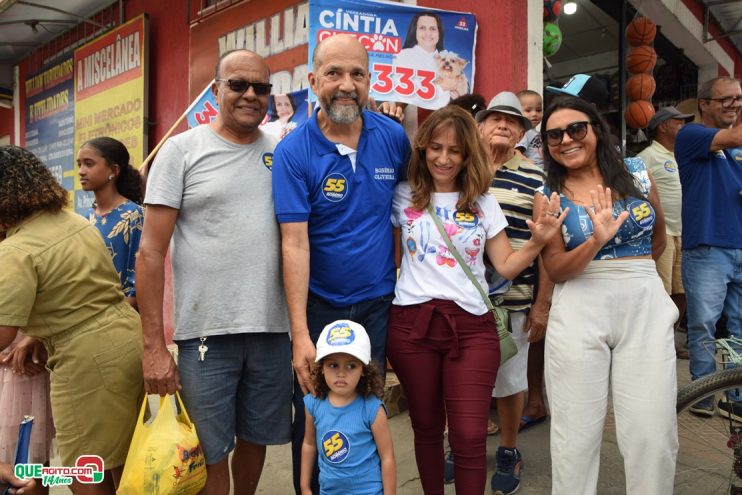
{"x": 348, "y": 208}
{"x": 711, "y": 184}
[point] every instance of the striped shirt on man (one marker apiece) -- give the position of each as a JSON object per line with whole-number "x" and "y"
{"x": 514, "y": 186}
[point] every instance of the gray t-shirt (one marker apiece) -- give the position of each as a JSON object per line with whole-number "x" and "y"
{"x": 532, "y": 147}
{"x": 226, "y": 249}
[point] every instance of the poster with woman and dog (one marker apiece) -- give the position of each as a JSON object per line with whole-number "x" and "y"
{"x": 417, "y": 55}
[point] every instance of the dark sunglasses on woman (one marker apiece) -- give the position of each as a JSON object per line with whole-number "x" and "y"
{"x": 576, "y": 130}
{"x": 240, "y": 86}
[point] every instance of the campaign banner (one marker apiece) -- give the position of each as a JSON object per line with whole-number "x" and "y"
{"x": 49, "y": 115}
{"x": 111, "y": 93}
{"x": 285, "y": 111}
{"x": 417, "y": 55}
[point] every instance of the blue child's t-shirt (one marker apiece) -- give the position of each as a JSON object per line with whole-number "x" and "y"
{"x": 349, "y": 463}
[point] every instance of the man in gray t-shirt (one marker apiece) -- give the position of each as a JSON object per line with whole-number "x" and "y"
{"x": 209, "y": 199}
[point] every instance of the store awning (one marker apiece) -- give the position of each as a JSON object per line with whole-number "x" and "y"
{"x": 728, "y": 16}
{"x": 26, "y": 25}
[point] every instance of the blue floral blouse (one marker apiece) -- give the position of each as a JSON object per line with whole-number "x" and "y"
{"x": 121, "y": 229}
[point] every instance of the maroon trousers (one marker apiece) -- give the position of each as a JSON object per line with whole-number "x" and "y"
{"x": 446, "y": 360}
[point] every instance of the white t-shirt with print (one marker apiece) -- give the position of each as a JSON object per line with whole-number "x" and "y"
{"x": 429, "y": 270}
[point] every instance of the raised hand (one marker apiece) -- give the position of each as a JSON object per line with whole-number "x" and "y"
{"x": 549, "y": 220}
{"x": 601, "y": 214}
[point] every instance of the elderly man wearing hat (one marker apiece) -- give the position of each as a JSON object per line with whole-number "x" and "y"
{"x": 659, "y": 157}
{"x": 502, "y": 126}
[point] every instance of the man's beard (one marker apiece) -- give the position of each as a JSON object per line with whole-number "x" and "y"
{"x": 342, "y": 114}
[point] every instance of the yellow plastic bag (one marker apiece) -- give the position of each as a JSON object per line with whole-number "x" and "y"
{"x": 165, "y": 457}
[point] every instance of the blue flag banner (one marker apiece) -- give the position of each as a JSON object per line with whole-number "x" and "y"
{"x": 203, "y": 109}
{"x": 417, "y": 55}
{"x": 285, "y": 112}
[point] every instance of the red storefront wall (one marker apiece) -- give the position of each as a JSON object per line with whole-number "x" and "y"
{"x": 502, "y": 42}
{"x": 6, "y": 123}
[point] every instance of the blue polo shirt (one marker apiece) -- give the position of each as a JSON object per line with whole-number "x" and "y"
{"x": 348, "y": 211}
{"x": 711, "y": 183}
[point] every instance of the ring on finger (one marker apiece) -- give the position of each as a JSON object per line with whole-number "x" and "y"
{"x": 554, "y": 214}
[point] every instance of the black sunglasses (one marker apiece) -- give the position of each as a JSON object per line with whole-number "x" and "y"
{"x": 240, "y": 86}
{"x": 576, "y": 130}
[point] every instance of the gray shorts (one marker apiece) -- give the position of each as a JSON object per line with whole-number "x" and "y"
{"x": 241, "y": 389}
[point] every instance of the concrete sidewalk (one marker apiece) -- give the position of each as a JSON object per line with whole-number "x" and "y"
{"x": 534, "y": 443}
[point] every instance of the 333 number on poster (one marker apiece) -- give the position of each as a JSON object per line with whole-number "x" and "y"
{"x": 404, "y": 81}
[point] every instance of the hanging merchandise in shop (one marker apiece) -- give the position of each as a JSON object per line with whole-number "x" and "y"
{"x": 640, "y": 62}
{"x": 552, "y": 32}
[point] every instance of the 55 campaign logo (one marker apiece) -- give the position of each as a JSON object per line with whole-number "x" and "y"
{"x": 88, "y": 469}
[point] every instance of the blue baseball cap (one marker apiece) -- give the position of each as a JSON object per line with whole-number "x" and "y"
{"x": 585, "y": 87}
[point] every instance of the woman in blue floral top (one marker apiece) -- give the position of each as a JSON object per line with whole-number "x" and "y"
{"x": 104, "y": 168}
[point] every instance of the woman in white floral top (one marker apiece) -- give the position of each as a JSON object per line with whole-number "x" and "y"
{"x": 442, "y": 341}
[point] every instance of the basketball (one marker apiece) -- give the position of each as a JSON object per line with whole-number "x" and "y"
{"x": 641, "y": 31}
{"x": 641, "y": 60}
{"x": 552, "y": 9}
{"x": 638, "y": 114}
{"x": 552, "y": 39}
{"x": 640, "y": 87}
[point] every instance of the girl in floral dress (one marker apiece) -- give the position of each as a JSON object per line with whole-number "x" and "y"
{"x": 105, "y": 170}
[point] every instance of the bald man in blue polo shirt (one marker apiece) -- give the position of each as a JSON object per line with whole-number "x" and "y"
{"x": 333, "y": 182}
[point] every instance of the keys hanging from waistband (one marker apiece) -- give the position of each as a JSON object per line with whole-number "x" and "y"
{"x": 202, "y": 349}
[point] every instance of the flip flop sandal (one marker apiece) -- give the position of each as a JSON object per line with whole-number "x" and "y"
{"x": 527, "y": 422}
{"x": 492, "y": 427}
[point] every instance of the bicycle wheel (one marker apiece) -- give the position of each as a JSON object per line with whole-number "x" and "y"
{"x": 710, "y": 454}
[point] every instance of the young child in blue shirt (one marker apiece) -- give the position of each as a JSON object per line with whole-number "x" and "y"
{"x": 347, "y": 418}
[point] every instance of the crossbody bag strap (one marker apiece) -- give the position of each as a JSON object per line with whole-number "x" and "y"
{"x": 458, "y": 257}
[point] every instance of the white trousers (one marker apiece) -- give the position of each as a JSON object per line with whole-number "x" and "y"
{"x": 613, "y": 324}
